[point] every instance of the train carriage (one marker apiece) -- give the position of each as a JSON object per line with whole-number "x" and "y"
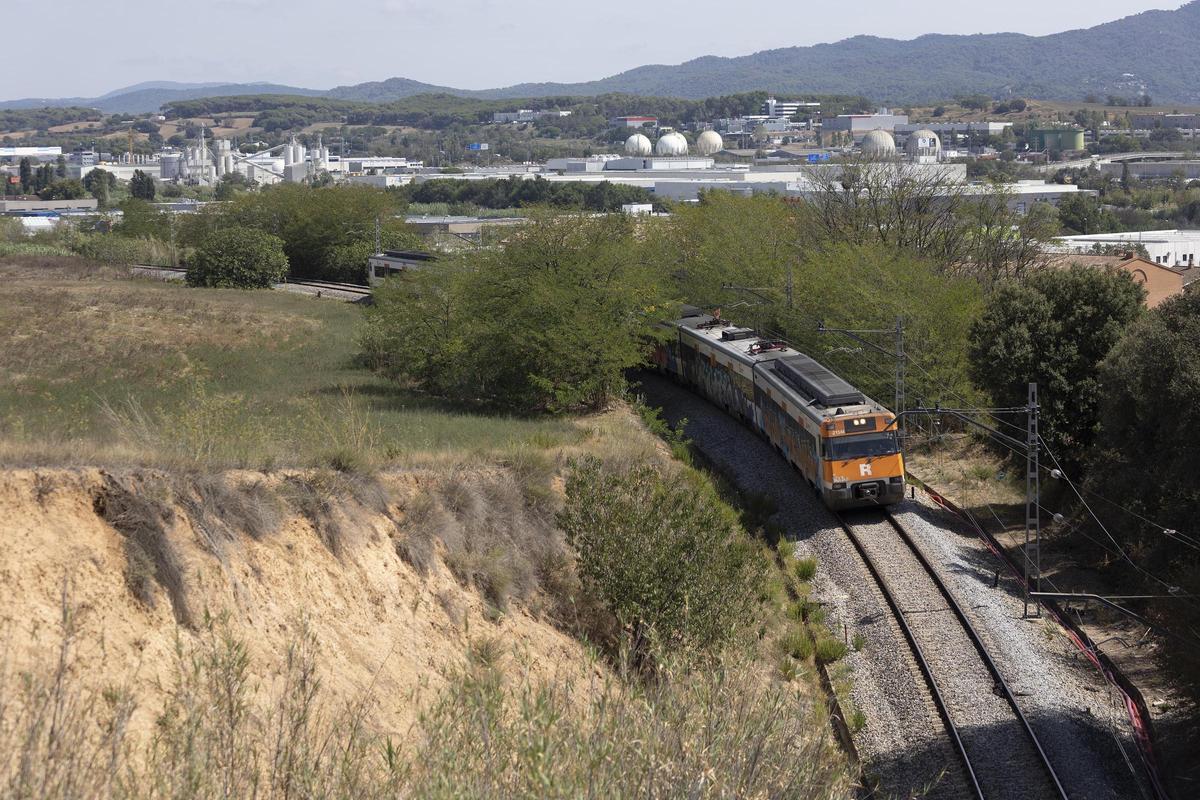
{"x": 844, "y": 443}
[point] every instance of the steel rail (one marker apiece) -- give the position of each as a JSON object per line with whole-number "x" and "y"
{"x": 934, "y": 690}
{"x": 977, "y": 641}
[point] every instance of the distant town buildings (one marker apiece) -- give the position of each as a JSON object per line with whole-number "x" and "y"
{"x": 634, "y": 122}
{"x": 527, "y": 115}
{"x": 774, "y": 109}
{"x": 1180, "y": 121}
{"x": 1169, "y": 248}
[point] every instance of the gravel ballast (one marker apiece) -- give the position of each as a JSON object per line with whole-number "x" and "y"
{"x": 904, "y": 743}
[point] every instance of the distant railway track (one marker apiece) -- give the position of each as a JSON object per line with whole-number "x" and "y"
{"x": 348, "y": 288}
{"x": 321, "y": 286}
{"x": 999, "y": 751}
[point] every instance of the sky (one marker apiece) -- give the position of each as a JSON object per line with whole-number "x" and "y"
{"x": 74, "y": 48}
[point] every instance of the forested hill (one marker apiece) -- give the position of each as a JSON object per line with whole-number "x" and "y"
{"x": 1154, "y": 51}
{"x": 151, "y": 96}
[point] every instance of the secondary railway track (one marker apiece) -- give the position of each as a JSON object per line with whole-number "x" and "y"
{"x": 1000, "y": 754}
{"x": 355, "y": 289}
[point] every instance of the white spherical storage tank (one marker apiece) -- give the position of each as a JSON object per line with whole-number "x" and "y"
{"x": 708, "y": 143}
{"x": 878, "y": 144}
{"x": 638, "y": 145}
{"x": 673, "y": 144}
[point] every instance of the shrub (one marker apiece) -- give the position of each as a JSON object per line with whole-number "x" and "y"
{"x": 239, "y": 258}
{"x": 829, "y": 650}
{"x": 665, "y": 556}
{"x": 806, "y": 568}
{"x": 109, "y": 248}
{"x": 797, "y": 644}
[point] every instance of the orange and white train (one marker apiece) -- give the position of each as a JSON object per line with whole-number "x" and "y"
{"x": 840, "y": 440}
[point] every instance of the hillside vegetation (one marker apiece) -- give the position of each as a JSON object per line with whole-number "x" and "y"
{"x": 237, "y": 563}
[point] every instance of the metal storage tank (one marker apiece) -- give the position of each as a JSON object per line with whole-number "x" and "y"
{"x": 923, "y": 144}
{"x": 708, "y": 143}
{"x": 672, "y": 144}
{"x": 878, "y": 144}
{"x": 638, "y": 145}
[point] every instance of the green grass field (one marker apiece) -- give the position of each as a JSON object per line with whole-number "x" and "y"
{"x": 96, "y": 367}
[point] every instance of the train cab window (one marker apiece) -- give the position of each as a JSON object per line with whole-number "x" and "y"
{"x": 867, "y": 446}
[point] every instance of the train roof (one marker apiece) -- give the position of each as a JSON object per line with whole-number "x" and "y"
{"x": 810, "y": 384}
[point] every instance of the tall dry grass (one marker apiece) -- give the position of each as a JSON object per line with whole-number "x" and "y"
{"x": 493, "y": 733}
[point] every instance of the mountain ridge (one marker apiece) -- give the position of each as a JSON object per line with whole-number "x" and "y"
{"x": 1151, "y": 52}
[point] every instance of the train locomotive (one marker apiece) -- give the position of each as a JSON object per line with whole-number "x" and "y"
{"x": 844, "y": 443}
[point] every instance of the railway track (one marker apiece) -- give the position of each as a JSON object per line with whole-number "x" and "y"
{"x": 321, "y": 286}
{"x": 999, "y": 752}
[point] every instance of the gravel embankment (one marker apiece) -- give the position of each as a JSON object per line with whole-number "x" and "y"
{"x": 1081, "y": 723}
{"x": 1005, "y": 761}
{"x": 904, "y": 742}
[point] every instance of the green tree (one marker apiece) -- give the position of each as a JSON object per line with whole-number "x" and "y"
{"x": 141, "y": 185}
{"x": 101, "y": 183}
{"x": 1081, "y": 214}
{"x": 1145, "y": 459}
{"x": 415, "y": 329}
{"x": 26, "y": 173}
{"x": 551, "y": 321}
{"x": 665, "y": 556}
{"x": 60, "y": 167}
{"x": 229, "y": 186}
{"x": 1054, "y": 329}
{"x": 67, "y": 189}
{"x": 312, "y": 222}
{"x": 582, "y": 300}
{"x": 142, "y": 220}
{"x": 239, "y": 258}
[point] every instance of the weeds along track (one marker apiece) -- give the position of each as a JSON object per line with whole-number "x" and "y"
{"x": 1001, "y": 757}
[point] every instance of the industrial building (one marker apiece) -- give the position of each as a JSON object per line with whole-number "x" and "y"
{"x": 1178, "y": 121}
{"x": 35, "y": 205}
{"x": 774, "y": 109}
{"x": 32, "y": 153}
{"x": 634, "y": 122}
{"x": 1169, "y": 248}
{"x": 859, "y": 125}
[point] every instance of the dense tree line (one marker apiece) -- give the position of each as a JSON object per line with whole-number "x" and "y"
{"x": 521, "y": 193}
{"x": 38, "y": 119}
{"x": 440, "y": 111}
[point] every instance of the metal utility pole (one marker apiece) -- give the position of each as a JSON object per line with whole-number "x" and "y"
{"x": 900, "y": 398}
{"x": 378, "y": 235}
{"x": 1033, "y": 525}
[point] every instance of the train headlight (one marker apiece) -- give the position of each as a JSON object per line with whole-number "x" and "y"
{"x": 839, "y": 484}
{"x": 896, "y": 479}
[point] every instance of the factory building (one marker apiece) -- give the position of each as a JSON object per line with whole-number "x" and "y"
{"x": 634, "y": 122}
{"x": 1179, "y": 121}
{"x": 32, "y": 153}
{"x": 859, "y": 125}
{"x": 774, "y": 109}
{"x": 952, "y": 131}
{"x": 1168, "y": 248}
